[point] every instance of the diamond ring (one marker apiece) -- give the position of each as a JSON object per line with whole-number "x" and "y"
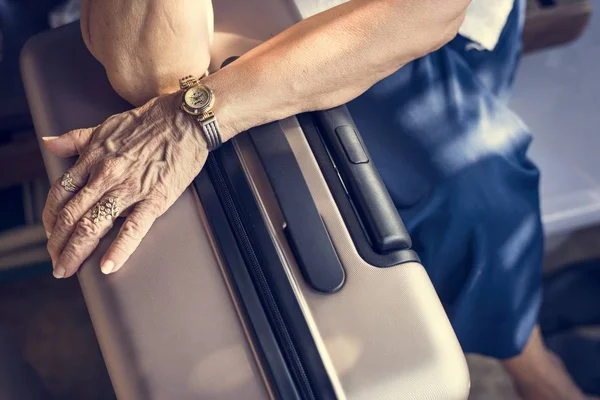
{"x": 107, "y": 208}
{"x": 66, "y": 181}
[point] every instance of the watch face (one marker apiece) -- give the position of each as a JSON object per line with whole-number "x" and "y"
{"x": 197, "y": 97}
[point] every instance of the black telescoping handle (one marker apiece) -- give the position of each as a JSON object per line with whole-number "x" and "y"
{"x": 306, "y": 231}
{"x": 367, "y": 191}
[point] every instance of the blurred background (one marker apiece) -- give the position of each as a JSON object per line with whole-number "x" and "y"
{"x": 557, "y": 93}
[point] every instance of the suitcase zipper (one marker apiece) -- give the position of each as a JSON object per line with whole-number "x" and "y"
{"x": 258, "y": 276}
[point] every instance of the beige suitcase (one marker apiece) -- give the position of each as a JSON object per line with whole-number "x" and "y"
{"x": 229, "y": 296}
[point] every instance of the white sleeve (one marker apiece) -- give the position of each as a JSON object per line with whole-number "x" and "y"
{"x": 485, "y": 21}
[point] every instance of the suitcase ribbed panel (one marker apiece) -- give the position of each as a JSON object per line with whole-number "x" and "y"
{"x": 385, "y": 335}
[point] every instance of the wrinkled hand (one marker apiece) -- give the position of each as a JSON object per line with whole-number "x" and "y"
{"x": 145, "y": 158}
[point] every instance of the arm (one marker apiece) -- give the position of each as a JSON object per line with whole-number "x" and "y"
{"x": 146, "y": 45}
{"x": 333, "y": 56}
{"x": 329, "y": 59}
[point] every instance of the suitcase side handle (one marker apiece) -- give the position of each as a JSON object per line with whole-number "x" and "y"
{"x": 370, "y": 197}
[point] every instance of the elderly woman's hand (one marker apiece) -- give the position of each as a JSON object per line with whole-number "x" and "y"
{"x": 141, "y": 161}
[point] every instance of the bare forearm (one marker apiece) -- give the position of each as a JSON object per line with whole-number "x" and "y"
{"x": 147, "y": 45}
{"x": 321, "y": 62}
{"x": 329, "y": 59}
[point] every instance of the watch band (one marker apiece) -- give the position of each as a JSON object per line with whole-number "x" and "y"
{"x": 210, "y": 128}
{"x": 207, "y": 120}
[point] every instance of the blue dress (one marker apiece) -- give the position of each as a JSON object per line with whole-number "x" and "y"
{"x": 453, "y": 157}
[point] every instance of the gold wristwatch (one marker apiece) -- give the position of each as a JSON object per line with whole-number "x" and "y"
{"x": 198, "y": 101}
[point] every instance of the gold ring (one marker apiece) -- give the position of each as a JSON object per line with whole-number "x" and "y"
{"x": 66, "y": 181}
{"x": 107, "y": 208}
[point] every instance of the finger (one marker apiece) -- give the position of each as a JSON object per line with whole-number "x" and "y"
{"x": 104, "y": 175}
{"x": 86, "y": 235}
{"x": 71, "y": 212}
{"x": 58, "y": 196}
{"x": 70, "y": 143}
{"x": 133, "y": 230}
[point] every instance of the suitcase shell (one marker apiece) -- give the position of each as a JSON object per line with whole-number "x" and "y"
{"x": 169, "y": 323}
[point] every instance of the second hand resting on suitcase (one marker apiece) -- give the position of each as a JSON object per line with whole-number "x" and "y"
{"x": 146, "y": 157}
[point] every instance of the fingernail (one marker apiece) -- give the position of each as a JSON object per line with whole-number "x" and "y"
{"x": 107, "y": 267}
{"x": 48, "y": 234}
{"x": 59, "y": 272}
{"x": 47, "y": 138}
